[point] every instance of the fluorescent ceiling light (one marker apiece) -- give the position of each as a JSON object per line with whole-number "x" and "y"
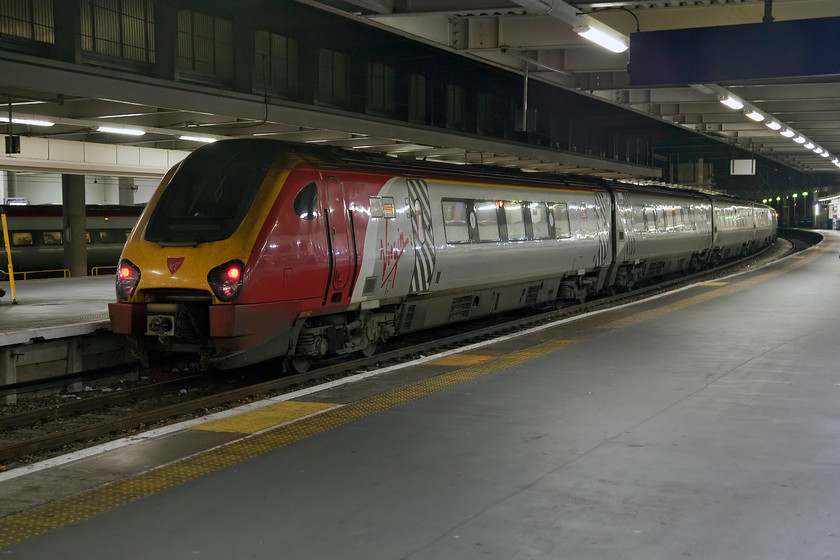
{"x": 602, "y": 38}
{"x": 818, "y": 150}
{"x": 732, "y": 103}
{"x": 126, "y": 131}
{"x": 787, "y": 133}
{"x": 810, "y": 145}
{"x": 205, "y": 139}
{"x": 799, "y": 140}
{"x": 756, "y": 116}
{"x": 825, "y": 154}
{"x": 33, "y": 122}
{"x": 773, "y": 125}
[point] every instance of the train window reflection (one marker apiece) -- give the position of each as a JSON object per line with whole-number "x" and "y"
{"x": 20, "y": 239}
{"x": 515, "y": 220}
{"x": 539, "y": 220}
{"x": 455, "y": 221}
{"x": 306, "y": 202}
{"x": 488, "y": 221}
{"x": 561, "y": 220}
{"x": 51, "y": 237}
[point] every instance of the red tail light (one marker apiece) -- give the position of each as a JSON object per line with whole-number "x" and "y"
{"x": 226, "y": 280}
{"x": 128, "y": 276}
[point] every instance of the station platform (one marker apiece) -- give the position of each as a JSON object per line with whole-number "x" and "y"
{"x": 700, "y": 423}
{"x": 54, "y": 308}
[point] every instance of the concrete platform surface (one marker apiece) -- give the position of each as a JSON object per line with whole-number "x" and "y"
{"x": 703, "y": 423}
{"x": 55, "y": 308}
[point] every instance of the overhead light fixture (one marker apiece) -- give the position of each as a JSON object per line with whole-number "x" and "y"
{"x": 810, "y": 145}
{"x": 755, "y": 115}
{"x": 601, "y": 38}
{"x": 125, "y": 131}
{"x": 818, "y": 150}
{"x": 205, "y": 139}
{"x": 799, "y": 140}
{"x": 732, "y": 103}
{"x": 825, "y": 154}
{"x": 787, "y": 133}
{"x": 32, "y": 122}
{"x": 773, "y": 125}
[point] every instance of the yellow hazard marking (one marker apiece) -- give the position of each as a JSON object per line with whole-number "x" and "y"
{"x": 462, "y": 360}
{"x": 715, "y": 283}
{"x": 36, "y": 521}
{"x": 265, "y": 417}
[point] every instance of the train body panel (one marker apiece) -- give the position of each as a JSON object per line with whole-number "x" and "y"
{"x": 36, "y": 235}
{"x": 257, "y": 248}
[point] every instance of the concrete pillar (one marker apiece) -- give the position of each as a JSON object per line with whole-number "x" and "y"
{"x": 73, "y": 221}
{"x": 68, "y": 31}
{"x": 166, "y": 40}
{"x": 11, "y": 184}
{"x": 126, "y": 191}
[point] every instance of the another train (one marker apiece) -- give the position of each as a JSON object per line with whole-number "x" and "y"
{"x": 255, "y": 249}
{"x": 36, "y": 236}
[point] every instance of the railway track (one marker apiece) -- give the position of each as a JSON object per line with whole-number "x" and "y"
{"x": 28, "y": 435}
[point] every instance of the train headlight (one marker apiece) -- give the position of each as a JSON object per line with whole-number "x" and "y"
{"x": 128, "y": 276}
{"x": 226, "y": 280}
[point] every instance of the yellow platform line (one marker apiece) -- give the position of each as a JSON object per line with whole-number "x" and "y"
{"x": 28, "y": 524}
{"x": 265, "y": 417}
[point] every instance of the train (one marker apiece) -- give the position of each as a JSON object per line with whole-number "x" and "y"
{"x": 36, "y": 237}
{"x": 256, "y": 249}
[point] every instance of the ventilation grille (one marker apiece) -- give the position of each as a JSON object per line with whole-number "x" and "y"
{"x": 460, "y": 308}
{"x": 533, "y": 292}
{"x": 409, "y": 317}
{"x": 370, "y": 286}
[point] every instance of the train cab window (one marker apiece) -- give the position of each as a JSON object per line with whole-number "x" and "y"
{"x": 487, "y": 219}
{"x": 52, "y": 237}
{"x": 210, "y": 194}
{"x": 515, "y": 220}
{"x": 306, "y": 202}
{"x": 560, "y": 211}
{"x": 21, "y": 238}
{"x": 455, "y": 221}
{"x": 539, "y": 220}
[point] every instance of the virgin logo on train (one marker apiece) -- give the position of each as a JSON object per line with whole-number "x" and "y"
{"x": 174, "y": 263}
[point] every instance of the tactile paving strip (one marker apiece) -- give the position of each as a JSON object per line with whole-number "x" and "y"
{"x": 39, "y": 520}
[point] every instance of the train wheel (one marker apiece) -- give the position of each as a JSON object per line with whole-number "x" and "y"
{"x": 368, "y": 350}
{"x": 297, "y": 364}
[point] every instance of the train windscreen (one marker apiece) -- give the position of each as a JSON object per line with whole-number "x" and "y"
{"x": 210, "y": 193}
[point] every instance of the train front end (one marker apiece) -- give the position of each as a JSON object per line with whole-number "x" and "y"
{"x": 183, "y": 278}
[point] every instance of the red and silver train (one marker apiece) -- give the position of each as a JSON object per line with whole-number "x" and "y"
{"x": 255, "y": 249}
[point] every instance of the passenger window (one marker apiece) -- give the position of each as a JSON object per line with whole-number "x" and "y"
{"x": 20, "y": 239}
{"x": 560, "y": 211}
{"x": 488, "y": 221}
{"x": 455, "y": 221}
{"x": 111, "y": 236}
{"x": 87, "y": 237}
{"x": 515, "y": 220}
{"x": 306, "y": 202}
{"x": 539, "y": 220}
{"x": 52, "y": 237}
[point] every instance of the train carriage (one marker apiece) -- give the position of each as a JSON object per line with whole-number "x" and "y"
{"x": 252, "y": 249}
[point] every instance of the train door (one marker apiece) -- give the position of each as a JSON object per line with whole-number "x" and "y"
{"x": 342, "y": 252}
